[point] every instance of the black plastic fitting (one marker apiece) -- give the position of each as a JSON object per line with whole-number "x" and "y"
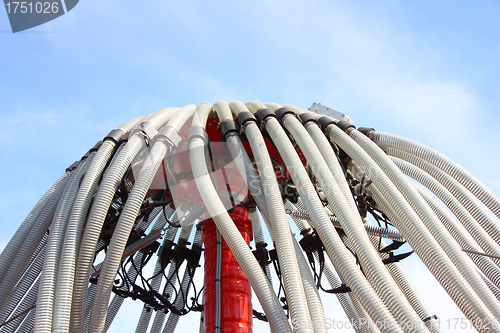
{"x": 245, "y": 117}
{"x": 324, "y": 122}
{"x": 197, "y": 132}
{"x": 344, "y": 125}
{"x": 115, "y": 135}
{"x": 307, "y": 117}
{"x": 263, "y": 114}
{"x": 227, "y": 127}
{"x": 366, "y": 130}
{"x": 281, "y": 112}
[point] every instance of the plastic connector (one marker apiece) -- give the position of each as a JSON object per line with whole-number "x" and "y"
{"x": 262, "y": 115}
{"x": 324, "y": 122}
{"x": 244, "y": 117}
{"x": 197, "y": 132}
{"x": 115, "y": 135}
{"x": 344, "y": 125}
{"x": 306, "y": 118}
{"x": 170, "y": 136}
{"x": 148, "y": 129}
{"x": 282, "y": 112}
{"x": 366, "y": 130}
{"x": 228, "y": 126}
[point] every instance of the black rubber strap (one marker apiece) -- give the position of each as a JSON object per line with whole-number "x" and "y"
{"x": 281, "y": 112}
{"x": 307, "y": 117}
{"x": 197, "y": 132}
{"x": 170, "y": 135}
{"x": 115, "y": 135}
{"x": 324, "y": 122}
{"x": 227, "y": 127}
{"x": 262, "y": 115}
{"x": 344, "y": 125}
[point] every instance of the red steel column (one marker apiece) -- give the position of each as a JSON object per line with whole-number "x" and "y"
{"x": 236, "y": 294}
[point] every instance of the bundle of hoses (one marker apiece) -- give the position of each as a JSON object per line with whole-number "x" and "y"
{"x": 55, "y": 276}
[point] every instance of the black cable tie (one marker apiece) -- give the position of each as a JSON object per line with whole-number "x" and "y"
{"x": 170, "y": 135}
{"x": 115, "y": 135}
{"x": 197, "y": 132}
{"x": 282, "y": 112}
{"x": 324, "y": 122}
{"x": 227, "y": 127}
{"x": 307, "y": 117}
{"x": 344, "y": 125}
{"x": 262, "y": 115}
{"x": 429, "y": 318}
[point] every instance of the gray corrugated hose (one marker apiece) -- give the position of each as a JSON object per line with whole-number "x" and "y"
{"x": 414, "y": 231}
{"x": 427, "y": 216}
{"x": 444, "y": 163}
{"x": 334, "y": 246}
{"x": 231, "y": 235}
{"x": 127, "y": 219}
{"x": 292, "y": 279}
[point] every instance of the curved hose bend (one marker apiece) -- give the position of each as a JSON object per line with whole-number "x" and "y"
{"x": 235, "y": 241}
{"x": 444, "y": 163}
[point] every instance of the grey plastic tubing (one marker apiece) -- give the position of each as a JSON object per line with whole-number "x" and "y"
{"x": 51, "y": 264}
{"x": 99, "y": 209}
{"x": 329, "y": 271}
{"x": 58, "y": 273}
{"x": 330, "y": 238}
{"x": 292, "y": 279}
{"x": 414, "y": 231}
{"x": 256, "y": 277}
{"x": 147, "y": 311}
{"x": 444, "y": 163}
{"x": 127, "y": 219}
{"x": 29, "y": 244}
{"x": 453, "y": 227}
{"x": 461, "y": 194}
{"x": 14, "y": 245}
{"x": 430, "y": 220}
{"x": 351, "y": 222}
{"x": 305, "y": 306}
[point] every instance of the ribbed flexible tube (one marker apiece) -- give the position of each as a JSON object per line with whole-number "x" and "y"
{"x": 173, "y": 319}
{"x": 171, "y": 280}
{"x": 31, "y": 242}
{"x": 414, "y": 231}
{"x": 12, "y": 248}
{"x": 28, "y": 302}
{"x": 485, "y": 264}
{"x": 460, "y": 193}
{"x": 352, "y": 225}
{"x": 66, "y": 276}
{"x": 259, "y": 237}
{"x": 45, "y": 301}
{"x": 406, "y": 286}
{"x": 292, "y": 279}
{"x": 27, "y": 280}
{"x": 489, "y": 199}
{"x": 235, "y": 241}
{"x": 125, "y": 223}
{"x": 334, "y": 246}
{"x": 438, "y": 231}
{"x": 478, "y": 233}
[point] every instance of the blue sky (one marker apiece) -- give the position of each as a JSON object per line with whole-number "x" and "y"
{"x": 428, "y": 70}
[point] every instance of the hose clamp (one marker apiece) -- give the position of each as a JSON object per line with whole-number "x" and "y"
{"x": 306, "y": 118}
{"x": 170, "y": 135}
{"x": 368, "y": 131}
{"x": 115, "y": 135}
{"x": 227, "y": 127}
{"x": 324, "y": 122}
{"x": 147, "y": 130}
{"x": 197, "y": 132}
{"x": 281, "y": 113}
{"x": 344, "y": 125}
{"x": 263, "y": 116}
{"x": 73, "y": 166}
